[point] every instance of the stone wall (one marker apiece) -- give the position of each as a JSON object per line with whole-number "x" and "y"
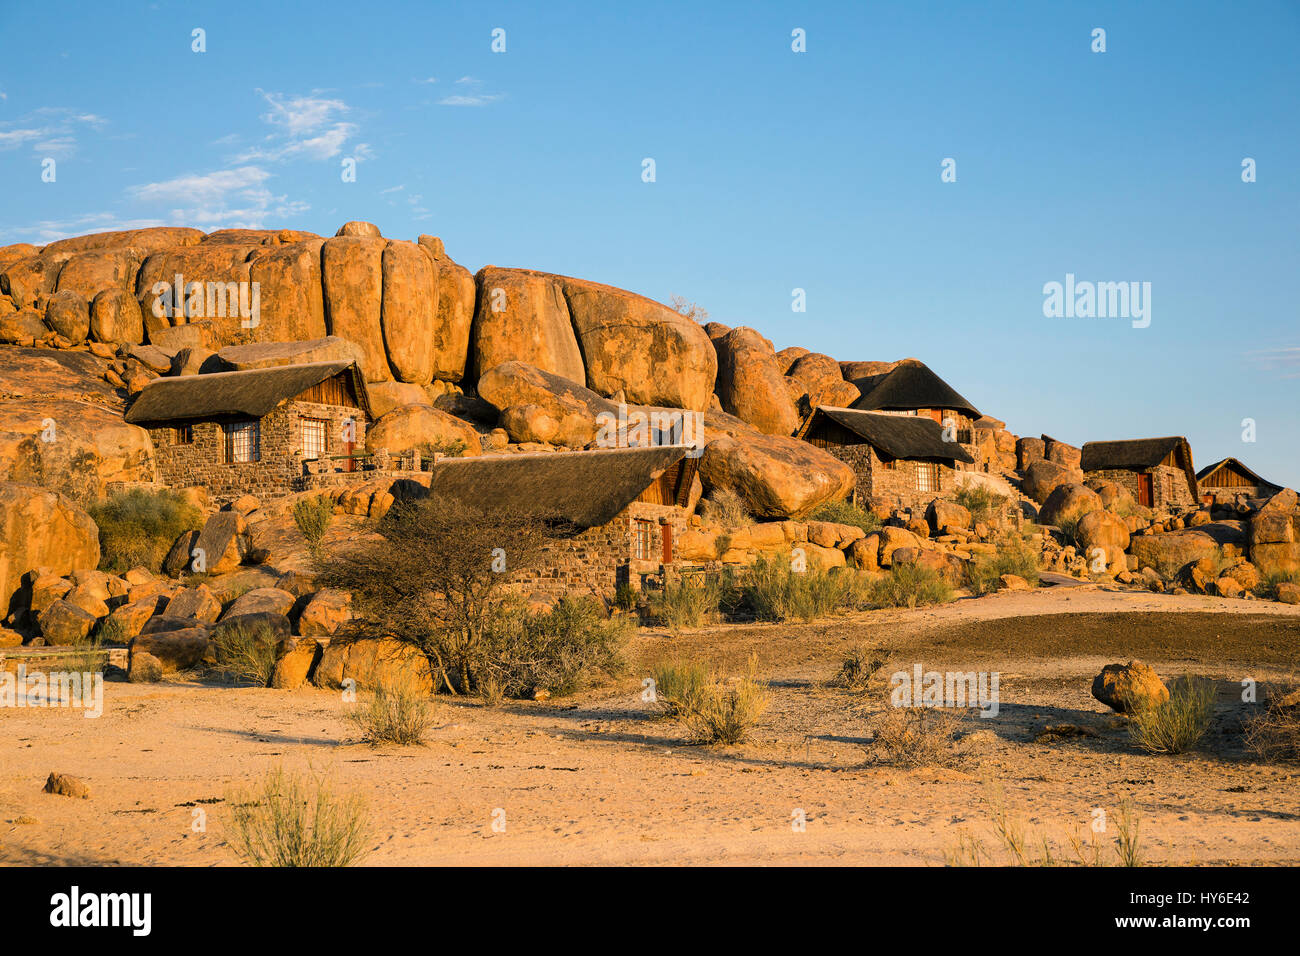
{"x": 897, "y": 485}
{"x": 1168, "y": 485}
{"x": 598, "y": 559}
{"x": 280, "y": 466}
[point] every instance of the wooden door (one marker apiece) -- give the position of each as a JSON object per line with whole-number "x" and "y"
{"x": 1144, "y": 490}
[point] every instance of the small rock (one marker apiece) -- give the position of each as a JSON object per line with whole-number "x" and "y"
{"x": 66, "y": 786}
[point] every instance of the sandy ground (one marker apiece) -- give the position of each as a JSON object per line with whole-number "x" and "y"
{"x": 600, "y": 779}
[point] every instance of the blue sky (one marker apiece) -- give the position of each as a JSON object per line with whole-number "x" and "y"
{"x": 775, "y": 170}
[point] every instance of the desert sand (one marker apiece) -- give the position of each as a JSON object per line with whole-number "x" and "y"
{"x": 600, "y": 779}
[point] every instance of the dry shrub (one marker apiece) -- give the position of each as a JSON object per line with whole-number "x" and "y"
{"x": 245, "y": 653}
{"x": 560, "y": 651}
{"x": 293, "y": 820}
{"x": 909, "y": 585}
{"x": 917, "y": 736}
{"x": 1013, "y": 556}
{"x": 313, "y": 516}
{"x": 138, "y": 527}
{"x": 1177, "y": 724}
{"x": 846, "y": 512}
{"x": 983, "y": 503}
{"x": 426, "y": 577}
{"x": 724, "y": 712}
{"x": 725, "y": 507}
{"x": 692, "y": 601}
{"x": 860, "y": 665}
{"x": 774, "y": 591}
{"x": 1275, "y": 734}
{"x": 679, "y": 686}
{"x": 399, "y": 712}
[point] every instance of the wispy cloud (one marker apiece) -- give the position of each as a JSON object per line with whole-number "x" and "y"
{"x": 471, "y": 95}
{"x": 48, "y": 230}
{"x": 228, "y": 197}
{"x": 51, "y": 130}
{"x": 1285, "y": 360}
{"x": 473, "y": 99}
{"x": 307, "y": 127}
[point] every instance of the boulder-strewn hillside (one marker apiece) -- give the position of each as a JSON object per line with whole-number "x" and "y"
{"x": 89, "y": 321}
{"x": 506, "y": 360}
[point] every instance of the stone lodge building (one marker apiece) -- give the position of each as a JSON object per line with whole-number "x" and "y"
{"x": 899, "y": 457}
{"x": 619, "y": 510}
{"x": 1157, "y": 472}
{"x": 912, "y": 388}
{"x": 250, "y": 432}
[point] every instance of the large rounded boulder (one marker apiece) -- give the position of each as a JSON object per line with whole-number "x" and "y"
{"x": 750, "y": 384}
{"x": 352, "y": 272}
{"x": 1042, "y": 478}
{"x": 777, "y": 476}
{"x": 642, "y": 348}
{"x": 422, "y": 428}
{"x": 522, "y": 316}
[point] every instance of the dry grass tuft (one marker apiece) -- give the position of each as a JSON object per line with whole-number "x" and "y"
{"x": 292, "y": 820}
{"x": 1176, "y": 725}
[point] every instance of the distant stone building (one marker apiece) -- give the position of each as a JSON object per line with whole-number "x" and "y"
{"x": 1157, "y": 472}
{"x": 913, "y": 388}
{"x": 1228, "y": 481}
{"x": 621, "y": 508}
{"x": 901, "y": 458}
{"x": 250, "y": 432}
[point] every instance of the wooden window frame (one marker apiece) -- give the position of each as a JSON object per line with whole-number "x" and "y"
{"x": 928, "y": 477}
{"x": 643, "y": 544}
{"x": 254, "y": 428}
{"x": 324, "y": 424}
{"x": 183, "y": 435}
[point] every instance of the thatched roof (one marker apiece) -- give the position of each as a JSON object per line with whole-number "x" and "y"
{"x": 908, "y": 387}
{"x": 1202, "y": 476}
{"x": 1138, "y": 454}
{"x": 252, "y": 393}
{"x": 898, "y": 436}
{"x": 585, "y": 488}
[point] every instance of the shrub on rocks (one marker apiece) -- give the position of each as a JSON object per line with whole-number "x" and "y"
{"x": 137, "y": 527}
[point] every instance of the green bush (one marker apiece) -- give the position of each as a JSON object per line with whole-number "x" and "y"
{"x": 294, "y": 821}
{"x": 245, "y": 653}
{"x": 774, "y": 591}
{"x": 560, "y": 651}
{"x": 399, "y": 712}
{"x": 137, "y": 527}
{"x": 1013, "y": 556}
{"x": 1177, "y": 724}
{"x": 845, "y": 512}
{"x": 313, "y": 516}
{"x": 909, "y": 585}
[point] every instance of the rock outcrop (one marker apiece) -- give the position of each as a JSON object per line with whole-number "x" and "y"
{"x": 750, "y": 385}
{"x": 41, "y": 529}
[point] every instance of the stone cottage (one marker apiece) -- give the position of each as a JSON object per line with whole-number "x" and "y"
{"x": 250, "y": 432}
{"x": 621, "y": 509}
{"x": 1228, "y": 481}
{"x": 899, "y": 457}
{"x": 1157, "y": 472}
{"x": 913, "y": 388}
